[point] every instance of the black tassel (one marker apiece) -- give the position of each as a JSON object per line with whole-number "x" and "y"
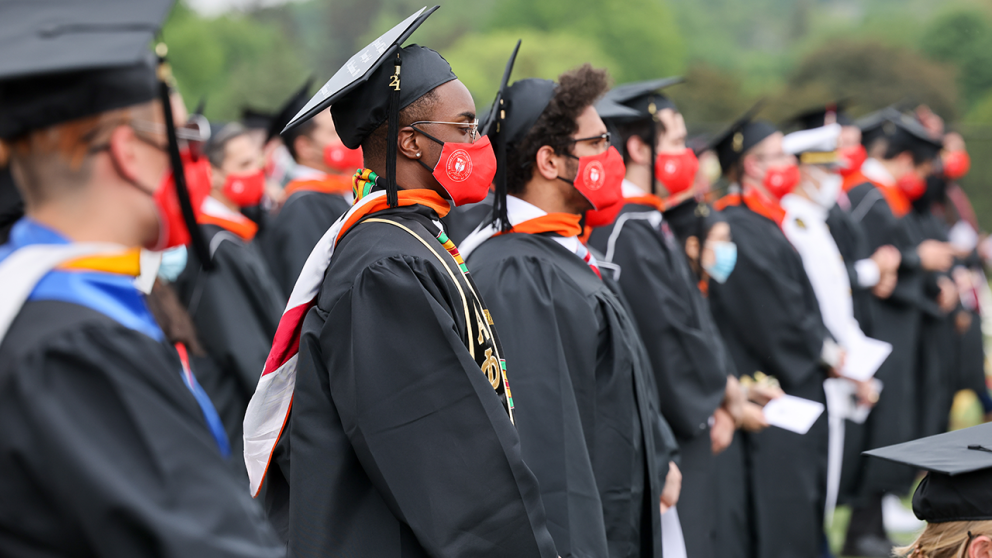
{"x": 179, "y": 176}
{"x": 393, "y": 133}
{"x": 501, "y": 220}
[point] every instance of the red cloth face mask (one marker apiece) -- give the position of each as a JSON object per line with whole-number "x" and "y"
{"x": 246, "y": 189}
{"x": 601, "y": 218}
{"x": 676, "y": 171}
{"x": 912, "y": 185}
{"x": 172, "y": 226}
{"x": 600, "y": 178}
{"x": 342, "y": 159}
{"x": 464, "y": 170}
{"x": 851, "y": 158}
{"x": 780, "y": 181}
{"x": 956, "y": 164}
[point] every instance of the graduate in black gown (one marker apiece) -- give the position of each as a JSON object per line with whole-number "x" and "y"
{"x": 236, "y": 305}
{"x": 319, "y": 193}
{"x": 771, "y": 323}
{"x": 879, "y": 206}
{"x": 588, "y": 414}
{"x": 401, "y": 440}
{"x": 689, "y": 361}
{"x": 109, "y": 446}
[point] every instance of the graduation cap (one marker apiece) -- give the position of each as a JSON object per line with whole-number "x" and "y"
{"x": 643, "y": 96}
{"x": 65, "y": 59}
{"x": 814, "y": 146}
{"x": 816, "y": 117}
{"x": 898, "y": 129}
{"x": 369, "y": 90}
{"x": 692, "y": 218}
{"x": 645, "y": 100}
{"x": 958, "y": 486}
{"x": 515, "y": 111}
{"x": 256, "y": 119}
{"x": 732, "y": 143}
{"x": 288, "y": 110}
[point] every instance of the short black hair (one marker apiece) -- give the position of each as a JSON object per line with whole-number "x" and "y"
{"x": 374, "y": 146}
{"x": 640, "y": 128}
{"x": 902, "y": 141}
{"x": 289, "y": 137}
{"x": 577, "y": 89}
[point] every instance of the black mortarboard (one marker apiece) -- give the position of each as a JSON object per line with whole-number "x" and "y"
{"x": 817, "y": 117}
{"x": 898, "y": 129}
{"x": 288, "y": 110}
{"x": 68, "y": 59}
{"x": 256, "y": 119}
{"x": 691, "y": 218}
{"x": 369, "y": 90}
{"x": 878, "y": 124}
{"x": 959, "y": 484}
{"x": 515, "y": 111}
{"x": 732, "y": 143}
{"x": 642, "y": 96}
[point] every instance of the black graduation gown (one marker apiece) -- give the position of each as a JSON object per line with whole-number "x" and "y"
{"x": 770, "y": 320}
{"x": 105, "y": 451}
{"x": 236, "y": 308}
{"x": 575, "y": 351}
{"x": 688, "y": 359}
{"x": 853, "y": 246}
{"x": 895, "y": 320}
{"x": 400, "y": 446}
{"x": 295, "y": 230}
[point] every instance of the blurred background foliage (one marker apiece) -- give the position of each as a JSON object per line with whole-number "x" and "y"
{"x": 794, "y": 53}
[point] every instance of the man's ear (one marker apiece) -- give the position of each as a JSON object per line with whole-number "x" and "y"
{"x": 547, "y": 163}
{"x": 122, "y": 149}
{"x": 411, "y": 144}
{"x": 638, "y": 151}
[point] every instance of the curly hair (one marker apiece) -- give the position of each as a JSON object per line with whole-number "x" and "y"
{"x": 577, "y": 89}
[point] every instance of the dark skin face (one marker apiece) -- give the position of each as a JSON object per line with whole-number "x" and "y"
{"x": 454, "y": 104}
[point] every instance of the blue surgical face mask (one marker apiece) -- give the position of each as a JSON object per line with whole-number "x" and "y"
{"x": 173, "y": 263}
{"x": 724, "y": 262}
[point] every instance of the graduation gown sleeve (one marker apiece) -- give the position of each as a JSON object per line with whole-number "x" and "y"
{"x": 105, "y": 451}
{"x": 400, "y": 445}
{"x": 769, "y": 304}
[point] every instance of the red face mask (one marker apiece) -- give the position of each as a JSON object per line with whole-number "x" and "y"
{"x": 601, "y": 218}
{"x": 600, "y": 178}
{"x": 912, "y": 185}
{"x": 245, "y": 190}
{"x": 172, "y": 226}
{"x": 676, "y": 171}
{"x": 465, "y": 170}
{"x": 852, "y": 157}
{"x": 342, "y": 159}
{"x": 780, "y": 181}
{"x": 956, "y": 164}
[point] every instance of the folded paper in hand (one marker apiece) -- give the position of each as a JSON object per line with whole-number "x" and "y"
{"x": 793, "y": 413}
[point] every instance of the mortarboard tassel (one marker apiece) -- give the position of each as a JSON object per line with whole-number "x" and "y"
{"x": 179, "y": 176}
{"x": 393, "y": 132}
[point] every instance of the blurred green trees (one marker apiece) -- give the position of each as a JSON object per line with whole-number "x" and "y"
{"x": 795, "y": 53}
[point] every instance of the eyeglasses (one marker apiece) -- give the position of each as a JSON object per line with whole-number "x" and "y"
{"x": 600, "y": 137}
{"x": 470, "y": 128}
{"x": 196, "y": 129}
